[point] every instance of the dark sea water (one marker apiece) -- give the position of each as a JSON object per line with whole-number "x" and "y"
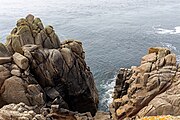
{"x": 115, "y": 33}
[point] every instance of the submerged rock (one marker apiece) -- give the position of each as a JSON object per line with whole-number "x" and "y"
{"x": 36, "y": 69}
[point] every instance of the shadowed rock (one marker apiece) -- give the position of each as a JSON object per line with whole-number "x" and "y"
{"x": 36, "y": 69}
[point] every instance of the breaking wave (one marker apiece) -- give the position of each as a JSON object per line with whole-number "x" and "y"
{"x": 106, "y": 97}
{"x": 175, "y": 30}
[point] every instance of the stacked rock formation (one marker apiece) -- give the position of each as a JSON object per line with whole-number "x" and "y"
{"x": 38, "y": 70}
{"x": 149, "y": 89}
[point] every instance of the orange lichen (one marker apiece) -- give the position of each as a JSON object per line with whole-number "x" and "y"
{"x": 168, "y": 117}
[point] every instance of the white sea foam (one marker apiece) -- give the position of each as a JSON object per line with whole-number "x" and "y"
{"x": 170, "y": 46}
{"x": 109, "y": 88}
{"x": 175, "y": 30}
{"x": 178, "y": 58}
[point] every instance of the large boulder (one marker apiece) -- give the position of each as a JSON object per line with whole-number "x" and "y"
{"x": 16, "y": 90}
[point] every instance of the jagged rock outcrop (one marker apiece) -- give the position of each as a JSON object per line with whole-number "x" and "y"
{"x": 149, "y": 89}
{"x": 36, "y": 69}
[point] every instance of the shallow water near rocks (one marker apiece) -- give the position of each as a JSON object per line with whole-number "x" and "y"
{"x": 115, "y": 33}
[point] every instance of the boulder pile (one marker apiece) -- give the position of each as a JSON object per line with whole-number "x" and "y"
{"x": 39, "y": 70}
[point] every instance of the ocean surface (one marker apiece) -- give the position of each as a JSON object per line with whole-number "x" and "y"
{"x": 115, "y": 33}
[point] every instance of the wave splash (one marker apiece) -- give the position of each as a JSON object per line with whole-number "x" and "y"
{"x": 172, "y": 48}
{"x": 106, "y": 98}
{"x": 176, "y": 30}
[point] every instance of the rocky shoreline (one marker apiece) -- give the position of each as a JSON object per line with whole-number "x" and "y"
{"x": 43, "y": 78}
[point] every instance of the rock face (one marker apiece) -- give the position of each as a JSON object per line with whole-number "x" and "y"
{"x": 149, "y": 89}
{"x": 36, "y": 69}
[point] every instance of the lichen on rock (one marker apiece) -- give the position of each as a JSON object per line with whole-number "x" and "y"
{"x": 38, "y": 70}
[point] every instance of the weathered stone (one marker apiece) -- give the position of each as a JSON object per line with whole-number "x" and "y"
{"x": 16, "y": 72}
{"x": 4, "y": 74}
{"x": 52, "y": 93}
{"x": 4, "y": 51}
{"x": 160, "y": 62}
{"x": 40, "y": 25}
{"x": 146, "y": 67}
{"x": 55, "y": 40}
{"x": 100, "y": 115}
{"x": 21, "y": 61}
{"x": 40, "y": 62}
{"x": 154, "y": 76}
{"x": 14, "y": 31}
{"x": 25, "y": 35}
{"x": 13, "y": 88}
{"x": 36, "y": 20}
{"x": 149, "y": 58}
{"x": 4, "y": 60}
{"x": 16, "y": 44}
{"x": 159, "y": 49}
{"x": 163, "y": 104}
{"x": 49, "y": 30}
{"x": 76, "y": 47}
{"x": 170, "y": 59}
{"x": 38, "y": 39}
{"x": 30, "y": 18}
{"x": 21, "y": 22}
{"x": 67, "y": 56}
{"x": 22, "y": 112}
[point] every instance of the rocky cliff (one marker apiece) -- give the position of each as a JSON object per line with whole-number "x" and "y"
{"x": 151, "y": 89}
{"x": 43, "y": 78}
{"x": 40, "y": 71}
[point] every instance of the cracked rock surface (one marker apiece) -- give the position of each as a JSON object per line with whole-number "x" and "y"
{"x": 150, "y": 89}
{"x": 39, "y": 70}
